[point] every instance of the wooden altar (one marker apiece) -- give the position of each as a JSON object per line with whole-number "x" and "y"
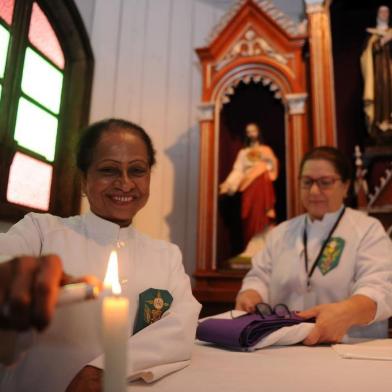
{"x": 259, "y": 45}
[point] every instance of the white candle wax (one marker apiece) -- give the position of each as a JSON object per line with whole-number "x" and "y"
{"x": 115, "y": 331}
{"x": 115, "y": 336}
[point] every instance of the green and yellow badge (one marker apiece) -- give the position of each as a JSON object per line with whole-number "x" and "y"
{"x": 153, "y": 303}
{"x": 331, "y": 255}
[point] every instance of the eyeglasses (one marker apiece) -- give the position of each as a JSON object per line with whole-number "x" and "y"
{"x": 265, "y": 310}
{"x": 322, "y": 182}
{"x": 279, "y": 310}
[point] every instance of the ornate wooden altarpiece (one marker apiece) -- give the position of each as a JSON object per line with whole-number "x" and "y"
{"x": 256, "y": 42}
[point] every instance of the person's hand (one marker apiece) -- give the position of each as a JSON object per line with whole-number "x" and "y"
{"x": 247, "y": 300}
{"x": 334, "y": 320}
{"x": 28, "y": 291}
{"x": 29, "y": 288}
{"x": 332, "y": 323}
{"x": 223, "y": 189}
{"x": 89, "y": 379}
{"x": 257, "y": 170}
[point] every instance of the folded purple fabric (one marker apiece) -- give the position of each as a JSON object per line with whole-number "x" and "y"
{"x": 244, "y": 331}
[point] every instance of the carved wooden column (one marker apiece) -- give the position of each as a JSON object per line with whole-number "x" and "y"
{"x": 205, "y": 248}
{"x": 298, "y": 139}
{"x": 321, "y": 70}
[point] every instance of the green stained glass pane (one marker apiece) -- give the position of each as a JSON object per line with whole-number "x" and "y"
{"x": 36, "y": 129}
{"x": 42, "y": 81}
{"x": 29, "y": 182}
{"x": 4, "y": 41}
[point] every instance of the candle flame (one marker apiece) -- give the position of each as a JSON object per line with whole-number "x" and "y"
{"x": 111, "y": 280}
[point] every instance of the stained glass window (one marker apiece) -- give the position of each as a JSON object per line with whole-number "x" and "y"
{"x": 42, "y": 36}
{"x": 36, "y": 124}
{"x": 29, "y": 182}
{"x": 42, "y": 81}
{"x": 6, "y": 10}
{"x": 36, "y": 129}
{"x": 35, "y": 119}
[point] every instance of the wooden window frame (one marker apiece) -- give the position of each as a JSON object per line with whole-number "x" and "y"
{"x": 74, "y": 110}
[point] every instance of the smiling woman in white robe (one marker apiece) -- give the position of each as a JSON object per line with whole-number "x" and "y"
{"x": 116, "y": 180}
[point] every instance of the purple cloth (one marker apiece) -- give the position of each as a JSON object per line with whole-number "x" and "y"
{"x": 244, "y": 331}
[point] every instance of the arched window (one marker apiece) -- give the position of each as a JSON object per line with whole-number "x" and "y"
{"x": 45, "y": 81}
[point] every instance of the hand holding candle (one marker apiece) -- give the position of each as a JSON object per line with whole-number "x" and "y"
{"x": 115, "y": 330}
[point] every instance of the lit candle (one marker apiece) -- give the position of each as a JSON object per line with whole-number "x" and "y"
{"x": 115, "y": 330}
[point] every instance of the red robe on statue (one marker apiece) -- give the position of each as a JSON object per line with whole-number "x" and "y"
{"x": 257, "y": 200}
{"x": 254, "y": 170}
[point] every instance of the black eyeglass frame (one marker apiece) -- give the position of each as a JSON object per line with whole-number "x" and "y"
{"x": 264, "y": 310}
{"x": 318, "y": 181}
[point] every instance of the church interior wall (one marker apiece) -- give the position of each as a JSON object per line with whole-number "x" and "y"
{"x": 146, "y": 71}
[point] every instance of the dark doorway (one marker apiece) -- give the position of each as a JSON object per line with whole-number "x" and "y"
{"x": 252, "y": 102}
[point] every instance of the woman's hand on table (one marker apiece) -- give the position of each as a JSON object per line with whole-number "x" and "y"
{"x": 247, "y": 300}
{"x": 335, "y": 319}
{"x": 29, "y": 288}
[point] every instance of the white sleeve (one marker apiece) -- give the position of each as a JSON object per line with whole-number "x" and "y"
{"x": 258, "y": 278}
{"x": 23, "y": 238}
{"x": 236, "y": 175}
{"x": 373, "y": 275}
{"x": 169, "y": 340}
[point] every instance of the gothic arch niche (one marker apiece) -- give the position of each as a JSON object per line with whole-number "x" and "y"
{"x": 256, "y": 45}
{"x": 253, "y": 99}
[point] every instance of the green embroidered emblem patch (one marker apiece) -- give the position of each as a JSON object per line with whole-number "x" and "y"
{"x": 331, "y": 255}
{"x": 153, "y": 303}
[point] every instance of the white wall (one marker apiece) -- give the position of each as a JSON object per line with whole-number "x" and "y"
{"x": 146, "y": 71}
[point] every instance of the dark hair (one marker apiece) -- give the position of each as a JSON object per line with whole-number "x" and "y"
{"x": 91, "y": 135}
{"x": 331, "y": 154}
{"x": 259, "y": 137}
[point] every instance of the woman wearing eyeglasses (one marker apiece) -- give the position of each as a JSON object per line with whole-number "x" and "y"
{"x": 332, "y": 263}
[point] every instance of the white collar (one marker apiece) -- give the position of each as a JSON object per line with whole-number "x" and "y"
{"x": 326, "y": 222}
{"x": 105, "y": 230}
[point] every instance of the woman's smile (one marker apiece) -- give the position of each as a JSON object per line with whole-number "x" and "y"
{"x": 121, "y": 200}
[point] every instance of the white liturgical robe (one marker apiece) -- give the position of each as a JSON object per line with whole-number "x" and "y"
{"x": 73, "y": 338}
{"x": 362, "y": 266}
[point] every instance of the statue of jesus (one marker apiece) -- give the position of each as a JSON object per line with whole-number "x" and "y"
{"x": 254, "y": 170}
